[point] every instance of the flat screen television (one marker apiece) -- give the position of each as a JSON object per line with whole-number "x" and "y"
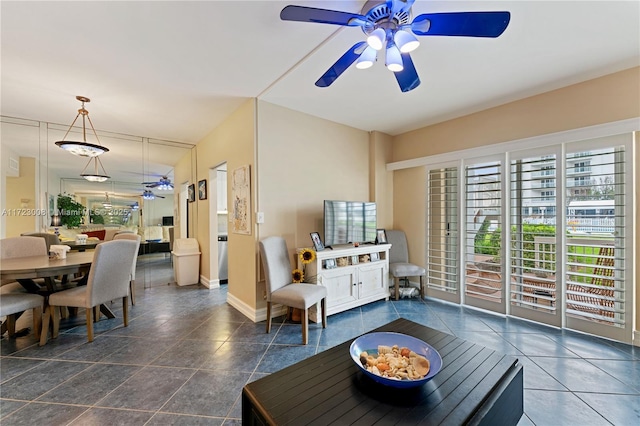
{"x": 349, "y": 222}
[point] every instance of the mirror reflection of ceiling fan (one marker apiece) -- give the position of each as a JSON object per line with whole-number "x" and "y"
{"x": 149, "y": 195}
{"x": 163, "y": 184}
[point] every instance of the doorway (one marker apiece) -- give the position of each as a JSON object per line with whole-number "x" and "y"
{"x": 218, "y": 219}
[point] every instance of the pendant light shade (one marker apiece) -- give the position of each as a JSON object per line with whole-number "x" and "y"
{"x": 82, "y": 148}
{"x": 367, "y": 58}
{"x": 393, "y": 59}
{"x": 376, "y": 39}
{"x": 96, "y": 176}
{"x": 405, "y": 41}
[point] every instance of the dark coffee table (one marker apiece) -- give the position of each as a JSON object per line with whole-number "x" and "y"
{"x": 475, "y": 386}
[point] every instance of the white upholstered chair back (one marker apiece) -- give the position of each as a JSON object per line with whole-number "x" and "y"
{"x": 50, "y": 239}
{"x": 110, "y": 272}
{"x": 22, "y": 247}
{"x": 137, "y": 239}
{"x": 276, "y": 264}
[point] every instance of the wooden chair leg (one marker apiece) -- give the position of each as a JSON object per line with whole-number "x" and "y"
{"x": 45, "y": 326}
{"x": 11, "y": 325}
{"x": 37, "y": 320}
{"x": 421, "y": 286}
{"x": 323, "y": 304}
{"x": 396, "y": 280}
{"x": 96, "y": 313}
{"x": 55, "y": 319}
{"x": 132, "y": 290}
{"x": 268, "y": 317}
{"x": 125, "y": 310}
{"x": 305, "y": 325}
{"x": 89, "y": 312}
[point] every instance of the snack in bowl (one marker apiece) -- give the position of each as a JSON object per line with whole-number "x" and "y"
{"x": 395, "y": 359}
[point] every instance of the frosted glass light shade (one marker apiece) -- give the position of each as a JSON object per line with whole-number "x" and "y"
{"x": 393, "y": 58}
{"x": 367, "y": 58}
{"x": 406, "y": 41}
{"x": 376, "y": 39}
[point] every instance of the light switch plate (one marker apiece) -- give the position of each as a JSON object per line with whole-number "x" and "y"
{"x": 260, "y": 217}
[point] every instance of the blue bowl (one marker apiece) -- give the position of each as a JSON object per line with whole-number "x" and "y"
{"x": 369, "y": 342}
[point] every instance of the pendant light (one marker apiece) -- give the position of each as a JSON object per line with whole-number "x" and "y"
{"x": 84, "y": 148}
{"x": 95, "y": 176}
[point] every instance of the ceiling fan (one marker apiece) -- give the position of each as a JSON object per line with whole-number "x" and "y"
{"x": 147, "y": 194}
{"x": 388, "y": 25}
{"x": 163, "y": 184}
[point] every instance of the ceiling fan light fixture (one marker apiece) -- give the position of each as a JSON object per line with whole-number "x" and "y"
{"x": 405, "y": 41}
{"x": 84, "y": 148}
{"x": 148, "y": 195}
{"x": 393, "y": 59}
{"x": 376, "y": 39}
{"x": 367, "y": 58}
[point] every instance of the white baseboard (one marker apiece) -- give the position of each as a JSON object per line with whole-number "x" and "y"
{"x": 209, "y": 283}
{"x": 255, "y": 315}
{"x": 636, "y": 338}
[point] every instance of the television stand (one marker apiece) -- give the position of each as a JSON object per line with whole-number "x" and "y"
{"x": 353, "y": 276}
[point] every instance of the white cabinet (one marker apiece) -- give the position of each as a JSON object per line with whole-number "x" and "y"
{"x": 353, "y": 276}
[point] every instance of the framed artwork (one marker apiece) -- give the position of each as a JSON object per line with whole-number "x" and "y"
{"x": 202, "y": 189}
{"x": 375, "y": 256}
{"x": 191, "y": 193}
{"x": 241, "y": 200}
{"x": 381, "y": 236}
{"x": 317, "y": 242}
{"x": 330, "y": 264}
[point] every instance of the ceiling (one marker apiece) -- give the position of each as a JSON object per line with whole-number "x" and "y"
{"x": 174, "y": 70}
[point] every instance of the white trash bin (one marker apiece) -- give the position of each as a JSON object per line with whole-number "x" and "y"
{"x": 186, "y": 261}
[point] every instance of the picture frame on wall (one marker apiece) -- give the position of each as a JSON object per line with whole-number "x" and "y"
{"x": 202, "y": 189}
{"x": 191, "y": 193}
{"x": 381, "y": 236}
{"x": 317, "y": 242}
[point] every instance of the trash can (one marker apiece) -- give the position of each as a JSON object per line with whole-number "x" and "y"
{"x": 186, "y": 261}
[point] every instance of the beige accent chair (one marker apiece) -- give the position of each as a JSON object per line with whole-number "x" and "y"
{"x": 280, "y": 289}
{"x": 399, "y": 266}
{"x": 14, "y": 304}
{"x": 109, "y": 278}
{"x": 132, "y": 282}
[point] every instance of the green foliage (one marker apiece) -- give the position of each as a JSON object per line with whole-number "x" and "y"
{"x": 96, "y": 218}
{"x": 70, "y": 211}
{"x": 482, "y": 240}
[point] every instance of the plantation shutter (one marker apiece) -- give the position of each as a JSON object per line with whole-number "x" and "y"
{"x": 595, "y": 228}
{"x": 442, "y": 231}
{"x": 533, "y": 233}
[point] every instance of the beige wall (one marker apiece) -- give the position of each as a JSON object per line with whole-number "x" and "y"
{"x": 303, "y": 160}
{"x": 381, "y": 180}
{"x": 21, "y": 215}
{"x": 231, "y": 142}
{"x": 603, "y": 100}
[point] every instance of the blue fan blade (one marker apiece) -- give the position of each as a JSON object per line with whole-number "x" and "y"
{"x": 465, "y": 24}
{"x": 399, "y": 5}
{"x": 407, "y": 78}
{"x": 322, "y": 16}
{"x": 341, "y": 65}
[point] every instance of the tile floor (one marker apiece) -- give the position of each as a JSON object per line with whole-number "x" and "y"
{"x": 186, "y": 355}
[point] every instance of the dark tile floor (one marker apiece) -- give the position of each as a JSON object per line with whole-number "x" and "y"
{"x": 187, "y": 354}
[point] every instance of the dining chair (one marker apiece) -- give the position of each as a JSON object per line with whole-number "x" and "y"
{"x": 13, "y": 304}
{"x": 132, "y": 282}
{"x": 24, "y": 246}
{"x": 50, "y": 239}
{"x": 281, "y": 289}
{"x": 399, "y": 266}
{"x": 108, "y": 280}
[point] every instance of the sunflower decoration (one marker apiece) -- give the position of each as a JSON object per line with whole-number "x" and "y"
{"x": 307, "y": 256}
{"x": 297, "y": 276}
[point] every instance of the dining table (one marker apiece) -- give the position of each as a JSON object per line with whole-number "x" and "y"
{"x": 46, "y": 267}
